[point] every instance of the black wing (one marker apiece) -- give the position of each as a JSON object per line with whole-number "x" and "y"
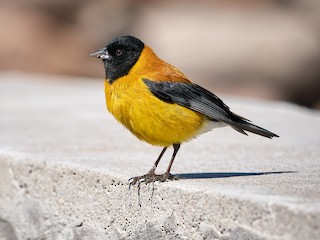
{"x": 191, "y": 96}
{"x": 197, "y": 98}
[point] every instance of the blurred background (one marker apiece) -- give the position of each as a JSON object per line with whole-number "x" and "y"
{"x": 255, "y": 48}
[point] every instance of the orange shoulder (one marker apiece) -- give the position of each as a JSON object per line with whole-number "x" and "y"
{"x": 151, "y": 67}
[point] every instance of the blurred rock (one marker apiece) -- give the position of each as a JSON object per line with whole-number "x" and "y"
{"x": 58, "y": 36}
{"x": 259, "y": 48}
{"x": 271, "y": 51}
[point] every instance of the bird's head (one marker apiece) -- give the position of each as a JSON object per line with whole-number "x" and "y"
{"x": 119, "y": 56}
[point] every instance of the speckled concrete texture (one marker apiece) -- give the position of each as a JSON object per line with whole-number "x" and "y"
{"x": 65, "y": 162}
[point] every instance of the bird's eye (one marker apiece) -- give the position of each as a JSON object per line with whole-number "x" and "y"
{"x": 119, "y": 52}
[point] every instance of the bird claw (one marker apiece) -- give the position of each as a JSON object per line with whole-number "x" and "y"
{"x": 150, "y": 178}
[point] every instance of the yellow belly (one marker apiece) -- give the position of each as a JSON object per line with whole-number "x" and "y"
{"x": 149, "y": 118}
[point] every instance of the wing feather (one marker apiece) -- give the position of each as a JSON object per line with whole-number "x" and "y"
{"x": 191, "y": 96}
{"x": 197, "y": 98}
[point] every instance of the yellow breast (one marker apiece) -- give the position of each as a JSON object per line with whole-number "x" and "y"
{"x": 149, "y": 118}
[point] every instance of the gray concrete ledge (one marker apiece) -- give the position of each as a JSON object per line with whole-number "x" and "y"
{"x": 64, "y": 165}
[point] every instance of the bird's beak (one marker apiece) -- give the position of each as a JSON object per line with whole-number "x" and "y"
{"x": 101, "y": 53}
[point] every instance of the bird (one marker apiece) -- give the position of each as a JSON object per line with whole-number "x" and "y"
{"x": 158, "y": 104}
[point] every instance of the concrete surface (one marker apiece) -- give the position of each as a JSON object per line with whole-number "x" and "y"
{"x": 65, "y": 162}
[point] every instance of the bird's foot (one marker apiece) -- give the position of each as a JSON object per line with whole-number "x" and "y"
{"x": 151, "y": 177}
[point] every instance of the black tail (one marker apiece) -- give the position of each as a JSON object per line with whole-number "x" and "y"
{"x": 241, "y": 125}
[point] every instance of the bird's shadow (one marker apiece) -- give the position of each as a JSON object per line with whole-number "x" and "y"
{"x": 225, "y": 174}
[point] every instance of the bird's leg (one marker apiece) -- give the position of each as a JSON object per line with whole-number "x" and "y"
{"x": 167, "y": 175}
{"x": 151, "y": 176}
{"x": 153, "y": 169}
{"x": 176, "y": 148}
